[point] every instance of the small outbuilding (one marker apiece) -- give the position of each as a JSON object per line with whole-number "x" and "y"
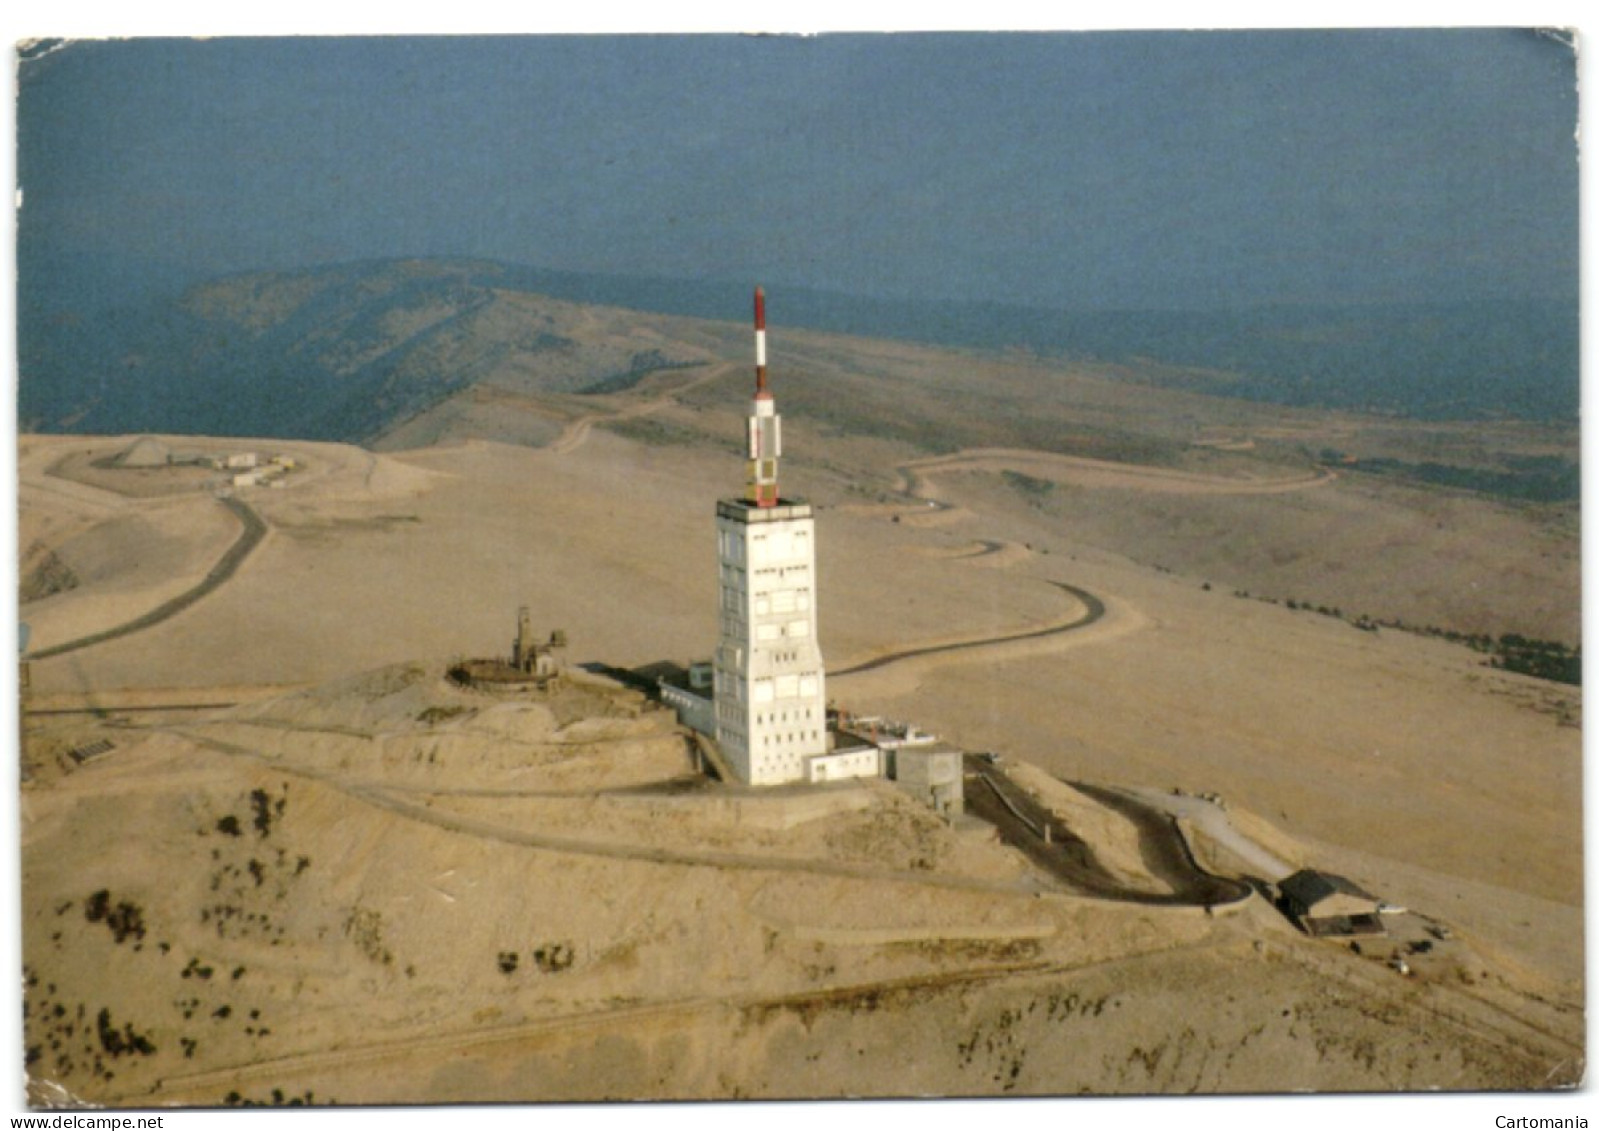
{"x": 1327, "y": 905}
{"x": 933, "y": 773}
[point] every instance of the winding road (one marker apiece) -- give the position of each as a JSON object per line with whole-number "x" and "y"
{"x": 1022, "y": 822}
{"x": 913, "y": 485}
{"x": 1094, "y": 609}
{"x": 910, "y": 483}
{"x": 227, "y": 565}
{"x": 576, "y": 433}
{"x": 1105, "y": 473}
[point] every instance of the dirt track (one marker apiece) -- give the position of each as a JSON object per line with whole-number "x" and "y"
{"x": 385, "y": 798}
{"x": 1103, "y": 473}
{"x": 577, "y": 432}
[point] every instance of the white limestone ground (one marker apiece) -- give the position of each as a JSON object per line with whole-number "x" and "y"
{"x": 735, "y": 949}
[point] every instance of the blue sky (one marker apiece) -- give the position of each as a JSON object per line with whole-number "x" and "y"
{"x": 1080, "y": 170}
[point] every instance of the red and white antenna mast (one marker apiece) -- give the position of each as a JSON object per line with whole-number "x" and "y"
{"x": 765, "y": 426}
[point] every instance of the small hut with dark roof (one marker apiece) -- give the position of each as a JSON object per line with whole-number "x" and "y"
{"x": 1325, "y": 904}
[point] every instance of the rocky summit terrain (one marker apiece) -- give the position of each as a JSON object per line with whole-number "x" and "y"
{"x": 273, "y": 854}
{"x": 392, "y": 888}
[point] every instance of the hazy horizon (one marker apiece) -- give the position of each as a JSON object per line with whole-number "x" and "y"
{"x": 1093, "y": 171}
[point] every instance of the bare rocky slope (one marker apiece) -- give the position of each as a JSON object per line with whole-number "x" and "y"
{"x": 391, "y": 889}
{"x": 271, "y": 854}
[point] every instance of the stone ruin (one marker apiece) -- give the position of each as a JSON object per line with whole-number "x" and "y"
{"x": 533, "y": 665}
{"x": 529, "y": 656}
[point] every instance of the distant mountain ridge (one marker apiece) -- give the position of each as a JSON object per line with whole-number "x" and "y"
{"x": 335, "y": 353}
{"x": 344, "y": 352}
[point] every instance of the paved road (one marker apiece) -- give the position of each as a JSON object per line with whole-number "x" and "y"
{"x": 1213, "y": 821}
{"x": 227, "y": 565}
{"x": 913, "y": 486}
{"x": 1021, "y": 820}
{"x": 1093, "y": 610}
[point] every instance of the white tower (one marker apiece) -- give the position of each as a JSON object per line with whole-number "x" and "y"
{"x": 771, "y": 702}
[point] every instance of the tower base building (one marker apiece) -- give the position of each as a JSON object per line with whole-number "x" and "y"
{"x": 770, "y": 693}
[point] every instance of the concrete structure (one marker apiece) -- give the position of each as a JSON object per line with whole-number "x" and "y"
{"x": 854, "y": 762}
{"x": 888, "y": 735}
{"x": 933, "y": 773}
{"x": 771, "y": 703}
{"x": 770, "y": 694}
{"x": 689, "y": 694}
{"x": 1325, "y": 904}
{"x": 91, "y": 751}
{"x": 694, "y": 711}
{"x": 767, "y": 702}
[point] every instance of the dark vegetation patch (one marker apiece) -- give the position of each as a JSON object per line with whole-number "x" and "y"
{"x": 974, "y": 950}
{"x": 49, "y": 576}
{"x": 123, "y": 919}
{"x": 552, "y": 958}
{"x": 639, "y": 366}
{"x": 1536, "y": 479}
{"x": 657, "y": 433}
{"x": 364, "y": 927}
{"x": 431, "y": 715}
{"x": 1033, "y": 489}
{"x": 125, "y": 1041}
{"x": 276, "y": 1098}
{"x": 249, "y": 884}
{"x": 266, "y": 808}
{"x": 1543, "y": 659}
